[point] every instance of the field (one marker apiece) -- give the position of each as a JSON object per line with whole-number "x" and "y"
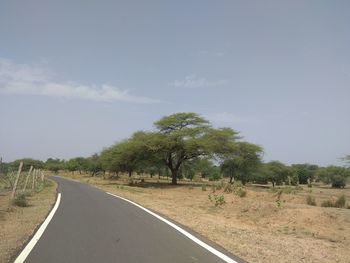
{"x": 19, "y": 223}
{"x": 266, "y": 225}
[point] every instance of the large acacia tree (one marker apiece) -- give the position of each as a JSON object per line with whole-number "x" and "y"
{"x": 183, "y": 137}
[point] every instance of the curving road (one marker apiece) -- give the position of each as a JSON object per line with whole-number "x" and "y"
{"x": 92, "y": 226}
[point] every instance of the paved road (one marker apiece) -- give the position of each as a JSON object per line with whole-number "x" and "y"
{"x": 92, "y": 226}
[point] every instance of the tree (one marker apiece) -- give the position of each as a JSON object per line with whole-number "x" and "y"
{"x": 346, "y": 159}
{"x": 94, "y": 164}
{"x": 125, "y": 156}
{"x": 54, "y": 165}
{"x": 305, "y": 172}
{"x": 277, "y": 172}
{"x": 204, "y": 167}
{"x": 229, "y": 168}
{"x": 242, "y": 161}
{"x": 183, "y": 137}
{"x": 335, "y": 175}
{"x": 27, "y": 162}
{"x": 72, "y": 165}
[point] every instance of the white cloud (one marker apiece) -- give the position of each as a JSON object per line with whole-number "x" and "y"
{"x": 22, "y": 79}
{"x": 192, "y": 82}
{"x": 227, "y": 118}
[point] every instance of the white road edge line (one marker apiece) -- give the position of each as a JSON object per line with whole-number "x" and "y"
{"x": 25, "y": 252}
{"x": 182, "y": 231}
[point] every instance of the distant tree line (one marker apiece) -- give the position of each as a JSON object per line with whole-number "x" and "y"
{"x": 185, "y": 145}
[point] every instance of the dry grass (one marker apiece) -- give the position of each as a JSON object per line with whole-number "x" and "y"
{"x": 17, "y": 224}
{"x": 254, "y": 227}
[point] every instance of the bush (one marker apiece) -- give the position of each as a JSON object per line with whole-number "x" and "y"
{"x": 237, "y": 184}
{"x": 241, "y": 192}
{"x": 285, "y": 190}
{"x": 220, "y": 185}
{"x": 218, "y": 200}
{"x": 131, "y": 182}
{"x": 340, "y": 203}
{"x": 214, "y": 175}
{"x": 21, "y": 200}
{"x": 338, "y": 181}
{"x": 327, "y": 203}
{"x": 228, "y": 188}
{"x": 294, "y": 180}
{"x": 310, "y": 200}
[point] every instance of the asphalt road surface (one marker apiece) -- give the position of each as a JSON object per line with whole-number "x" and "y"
{"x": 92, "y": 226}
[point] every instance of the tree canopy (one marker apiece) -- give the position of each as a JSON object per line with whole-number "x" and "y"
{"x": 183, "y": 137}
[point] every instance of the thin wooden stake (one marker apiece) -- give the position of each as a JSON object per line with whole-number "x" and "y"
{"x": 27, "y": 178}
{"x": 0, "y": 165}
{"x": 16, "y": 182}
{"x": 33, "y": 182}
{"x": 42, "y": 176}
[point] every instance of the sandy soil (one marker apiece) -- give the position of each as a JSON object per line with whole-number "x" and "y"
{"x": 254, "y": 227}
{"x": 17, "y": 224}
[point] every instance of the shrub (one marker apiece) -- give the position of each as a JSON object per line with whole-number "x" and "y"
{"x": 228, "y": 188}
{"x": 220, "y": 185}
{"x": 327, "y": 203}
{"x": 214, "y": 175}
{"x": 21, "y": 200}
{"x": 340, "y": 203}
{"x": 131, "y": 182}
{"x": 48, "y": 183}
{"x": 294, "y": 180}
{"x": 338, "y": 181}
{"x": 218, "y": 200}
{"x": 310, "y": 200}
{"x": 237, "y": 184}
{"x": 287, "y": 190}
{"x": 241, "y": 192}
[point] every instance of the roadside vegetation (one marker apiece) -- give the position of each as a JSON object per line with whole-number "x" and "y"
{"x": 26, "y": 196}
{"x": 216, "y": 183}
{"x": 185, "y": 145}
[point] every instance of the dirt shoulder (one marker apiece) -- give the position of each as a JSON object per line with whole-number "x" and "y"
{"x": 17, "y": 224}
{"x": 255, "y": 227}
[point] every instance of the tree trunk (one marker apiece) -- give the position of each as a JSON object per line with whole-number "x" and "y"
{"x": 129, "y": 173}
{"x": 174, "y": 177}
{"x": 231, "y": 178}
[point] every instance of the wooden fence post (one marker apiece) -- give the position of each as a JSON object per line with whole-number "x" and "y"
{"x": 42, "y": 176}
{"x": 33, "y": 182}
{"x": 16, "y": 182}
{"x": 0, "y": 165}
{"x": 26, "y": 182}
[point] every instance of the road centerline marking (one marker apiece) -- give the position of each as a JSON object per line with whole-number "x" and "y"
{"x": 29, "y": 247}
{"x": 182, "y": 231}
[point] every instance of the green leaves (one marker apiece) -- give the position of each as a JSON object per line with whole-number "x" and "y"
{"x": 179, "y": 138}
{"x": 179, "y": 121}
{"x": 241, "y": 160}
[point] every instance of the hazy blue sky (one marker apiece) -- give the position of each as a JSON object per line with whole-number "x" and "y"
{"x": 76, "y": 76}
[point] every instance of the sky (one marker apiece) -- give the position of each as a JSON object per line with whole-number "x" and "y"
{"x": 78, "y": 76}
